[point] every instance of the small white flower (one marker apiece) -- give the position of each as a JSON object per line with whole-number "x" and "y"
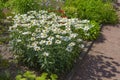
{"x": 19, "y": 40}
{"x": 81, "y": 46}
{"x": 86, "y": 28}
{"x": 65, "y": 38}
{"x": 73, "y": 35}
{"x": 34, "y": 44}
{"x": 45, "y": 54}
{"x": 69, "y": 49}
{"x": 79, "y": 40}
{"x": 50, "y": 38}
{"x": 58, "y": 42}
{"x": 84, "y": 21}
{"x": 33, "y": 34}
{"x": 25, "y": 33}
{"x": 38, "y": 30}
{"x": 43, "y": 35}
{"x": 72, "y": 44}
{"x": 58, "y": 36}
{"x": 36, "y": 48}
{"x": 32, "y": 38}
{"x": 42, "y": 42}
{"x": 48, "y": 42}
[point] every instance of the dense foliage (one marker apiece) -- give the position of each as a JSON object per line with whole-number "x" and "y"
{"x": 47, "y": 41}
{"x": 23, "y": 6}
{"x": 98, "y": 10}
{"x": 1, "y": 8}
{"x": 29, "y": 75}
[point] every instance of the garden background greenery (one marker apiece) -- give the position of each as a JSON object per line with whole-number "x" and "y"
{"x": 48, "y": 35}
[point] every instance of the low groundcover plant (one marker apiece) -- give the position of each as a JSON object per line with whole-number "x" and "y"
{"x": 46, "y": 41}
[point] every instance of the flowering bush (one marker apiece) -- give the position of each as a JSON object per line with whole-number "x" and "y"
{"x": 46, "y": 41}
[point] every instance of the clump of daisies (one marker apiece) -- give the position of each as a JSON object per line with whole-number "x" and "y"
{"x": 46, "y": 41}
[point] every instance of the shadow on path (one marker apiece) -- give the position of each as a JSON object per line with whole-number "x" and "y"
{"x": 97, "y": 67}
{"x": 100, "y": 39}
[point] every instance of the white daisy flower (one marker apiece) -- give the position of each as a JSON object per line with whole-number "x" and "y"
{"x": 45, "y": 54}
{"x": 58, "y": 42}
{"x": 69, "y": 49}
{"x": 50, "y": 38}
{"x": 42, "y": 42}
{"x": 81, "y": 45}
{"x": 48, "y": 42}
{"x": 32, "y": 38}
{"x": 33, "y": 34}
{"x": 19, "y": 40}
{"x": 36, "y": 48}
{"x": 25, "y": 33}
{"x": 79, "y": 40}
{"x": 72, "y": 44}
{"x": 73, "y": 35}
{"x": 43, "y": 35}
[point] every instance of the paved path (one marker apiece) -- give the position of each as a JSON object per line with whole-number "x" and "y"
{"x": 103, "y": 60}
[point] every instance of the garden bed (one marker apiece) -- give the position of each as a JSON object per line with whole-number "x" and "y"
{"x": 8, "y": 55}
{"x": 48, "y": 41}
{"x": 13, "y": 69}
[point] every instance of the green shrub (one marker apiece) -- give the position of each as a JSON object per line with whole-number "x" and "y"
{"x": 1, "y": 9}
{"x": 23, "y": 6}
{"x": 29, "y": 75}
{"x": 46, "y": 41}
{"x": 89, "y": 33}
{"x": 71, "y": 12}
{"x": 98, "y": 10}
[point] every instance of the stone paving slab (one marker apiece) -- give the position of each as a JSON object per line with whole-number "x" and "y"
{"x": 103, "y": 61}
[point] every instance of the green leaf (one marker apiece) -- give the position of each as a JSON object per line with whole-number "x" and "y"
{"x": 42, "y": 77}
{"x": 27, "y": 73}
{"x": 18, "y": 77}
{"x": 53, "y": 76}
{"x": 23, "y": 79}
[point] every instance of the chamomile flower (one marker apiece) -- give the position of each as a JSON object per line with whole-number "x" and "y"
{"x": 34, "y": 44}
{"x": 42, "y": 42}
{"x": 43, "y": 35}
{"x": 38, "y": 30}
{"x": 58, "y": 36}
{"x": 69, "y": 49}
{"x": 45, "y": 54}
{"x": 36, "y": 48}
{"x": 48, "y": 42}
{"x": 81, "y": 45}
{"x": 32, "y": 38}
{"x": 79, "y": 40}
{"x": 19, "y": 40}
{"x": 58, "y": 42}
{"x": 33, "y": 34}
{"x": 72, "y": 44}
{"x": 50, "y": 38}
{"x": 73, "y": 35}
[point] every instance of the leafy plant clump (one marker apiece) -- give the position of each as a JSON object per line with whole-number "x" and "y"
{"x": 23, "y": 6}
{"x": 46, "y": 41}
{"x": 98, "y": 10}
{"x": 1, "y": 8}
{"x": 29, "y": 75}
{"x": 5, "y": 75}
